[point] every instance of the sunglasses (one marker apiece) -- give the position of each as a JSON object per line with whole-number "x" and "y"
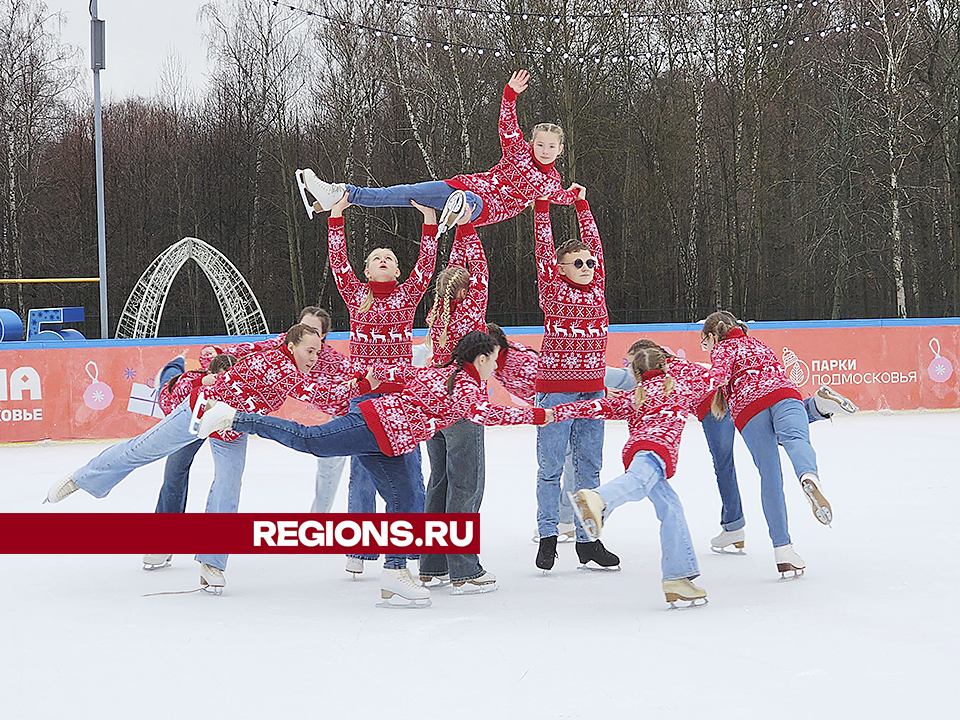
{"x": 578, "y": 263}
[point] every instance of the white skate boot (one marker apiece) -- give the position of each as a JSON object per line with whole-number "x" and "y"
{"x": 452, "y": 211}
{"x": 325, "y": 195}
{"x": 156, "y": 562}
{"x": 211, "y": 579}
{"x": 788, "y": 561}
{"x": 483, "y": 584}
{"x": 566, "y": 532}
{"x": 435, "y": 582}
{"x": 398, "y": 589}
{"x": 354, "y": 566}
{"x": 217, "y": 416}
{"x": 830, "y": 402}
{"x": 684, "y": 589}
{"x": 589, "y": 507}
{"x": 61, "y": 489}
{"x": 725, "y": 539}
{"x": 811, "y": 488}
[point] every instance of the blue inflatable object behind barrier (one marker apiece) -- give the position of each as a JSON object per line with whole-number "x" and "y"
{"x": 47, "y": 324}
{"x": 11, "y": 326}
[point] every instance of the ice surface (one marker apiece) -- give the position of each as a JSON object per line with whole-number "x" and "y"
{"x": 870, "y": 631}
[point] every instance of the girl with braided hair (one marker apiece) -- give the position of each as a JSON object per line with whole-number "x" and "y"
{"x": 456, "y": 453}
{"x": 656, "y": 414}
{"x": 382, "y": 429}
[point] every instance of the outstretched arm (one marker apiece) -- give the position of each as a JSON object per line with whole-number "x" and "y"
{"x": 416, "y": 285}
{"x": 511, "y": 139}
{"x": 347, "y": 283}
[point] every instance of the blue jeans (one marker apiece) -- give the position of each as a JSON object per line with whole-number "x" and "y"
{"x": 176, "y": 479}
{"x": 719, "y": 434}
{"x": 784, "y": 423}
{"x": 457, "y": 474}
{"x": 585, "y": 439}
{"x": 229, "y": 459}
{"x": 362, "y": 492}
{"x": 347, "y": 435}
{"x": 329, "y": 471}
{"x": 433, "y": 193}
{"x": 645, "y": 478}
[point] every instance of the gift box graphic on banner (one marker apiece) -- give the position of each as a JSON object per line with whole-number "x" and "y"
{"x": 143, "y": 400}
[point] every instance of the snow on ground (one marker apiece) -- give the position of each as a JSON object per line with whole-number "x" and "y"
{"x": 870, "y": 631}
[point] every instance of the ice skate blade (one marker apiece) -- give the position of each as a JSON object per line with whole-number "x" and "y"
{"x": 210, "y": 589}
{"x": 303, "y": 194}
{"x": 598, "y": 568}
{"x": 723, "y": 550}
{"x": 588, "y": 525}
{"x": 468, "y": 589}
{"x": 784, "y": 569}
{"x": 561, "y": 538}
{"x": 393, "y": 601}
{"x": 818, "y": 503}
{"x": 691, "y": 603}
{"x": 432, "y": 582}
{"x": 151, "y": 568}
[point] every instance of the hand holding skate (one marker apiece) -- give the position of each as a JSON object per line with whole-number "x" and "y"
{"x": 429, "y": 214}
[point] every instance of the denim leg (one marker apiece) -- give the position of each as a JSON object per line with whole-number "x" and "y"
{"x": 812, "y": 413}
{"x": 433, "y": 193}
{"x": 567, "y": 486}
{"x": 99, "y": 476}
{"x": 586, "y": 447}
{"x": 391, "y": 478}
{"x": 461, "y": 470}
{"x": 361, "y": 495}
{"x": 719, "y": 434}
{"x": 791, "y": 424}
{"x": 347, "y": 435}
{"x": 229, "y": 459}
{"x": 634, "y": 485}
{"x": 552, "y": 442}
{"x": 761, "y": 440}
{"x": 678, "y": 558}
{"x": 329, "y": 471}
{"x": 176, "y": 479}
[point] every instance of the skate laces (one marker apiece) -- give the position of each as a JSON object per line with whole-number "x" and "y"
{"x": 212, "y": 571}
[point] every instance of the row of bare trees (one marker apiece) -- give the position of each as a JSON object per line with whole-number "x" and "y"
{"x": 787, "y": 162}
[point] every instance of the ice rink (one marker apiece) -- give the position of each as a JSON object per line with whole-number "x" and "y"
{"x": 870, "y": 631}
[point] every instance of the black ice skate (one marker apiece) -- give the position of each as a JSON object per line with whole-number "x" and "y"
{"x": 595, "y": 552}
{"x": 547, "y": 553}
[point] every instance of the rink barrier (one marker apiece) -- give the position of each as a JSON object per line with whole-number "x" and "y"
{"x": 104, "y": 389}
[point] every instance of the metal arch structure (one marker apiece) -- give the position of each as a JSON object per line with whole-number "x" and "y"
{"x": 143, "y": 309}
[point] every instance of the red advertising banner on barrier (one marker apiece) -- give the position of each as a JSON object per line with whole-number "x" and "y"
{"x": 253, "y": 533}
{"x": 106, "y": 390}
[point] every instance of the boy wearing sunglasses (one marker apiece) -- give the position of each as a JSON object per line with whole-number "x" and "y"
{"x": 570, "y": 367}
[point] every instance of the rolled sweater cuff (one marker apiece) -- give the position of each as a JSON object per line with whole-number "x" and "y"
{"x": 539, "y": 416}
{"x": 335, "y": 221}
{"x": 581, "y": 204}
{"x": 541, "y": 205}
{"x": 509, "y": 93}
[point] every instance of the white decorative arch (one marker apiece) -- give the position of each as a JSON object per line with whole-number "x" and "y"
{"x": 142, "y": 311}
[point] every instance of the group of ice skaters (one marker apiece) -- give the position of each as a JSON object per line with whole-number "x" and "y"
{"x": 383, "y": 405}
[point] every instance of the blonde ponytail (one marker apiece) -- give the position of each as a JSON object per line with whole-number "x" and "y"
{"x": 450, "y": 281}
{"x": 367, "y": 302}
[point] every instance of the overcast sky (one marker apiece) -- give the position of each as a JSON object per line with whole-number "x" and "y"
{"x": 141, "y": 35}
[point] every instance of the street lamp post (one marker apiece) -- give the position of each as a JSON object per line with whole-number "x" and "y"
{"x": 98, "y": 63}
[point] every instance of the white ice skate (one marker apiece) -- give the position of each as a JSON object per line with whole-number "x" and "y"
{"x": 452, "y": 211}
{"x": 788, "y": 561}
{"x": 811, "y": 488}
{"x": 435, "y": 582}
{"x": 324, "y": 194}
{"x": 483, "y": 584}
{"x": 217, "y": 417}
{"x": 727, "y": 539}
{"x": 566, "y": 533}
{"x": 683, "y": 589}
{"x": 829, "y": 402}
{"x": 211, "y": 579}
{"x": 61, "y": 489}
{"x": 589, "y": 507}
{"x": 156, "y": 562}
{"x": 398, "y": 590}
{"x": 354, "y": 566}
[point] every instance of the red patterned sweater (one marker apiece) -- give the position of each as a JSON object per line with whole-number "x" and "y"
{"x": 658, "y": 424}
{"x": 401, "y": 420}
{"x": 331, "y": 366}
{"x": 384, "y": 333}
{"x": 182, "y": 388}
{"x": 471, "y": 313}
{"x": 259, "y": 383}
{"x": 517, "y": 371}
{"x": 573, "y": 354}
{"x": 753, "y": 375}
{"x": 518, "y": 179}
